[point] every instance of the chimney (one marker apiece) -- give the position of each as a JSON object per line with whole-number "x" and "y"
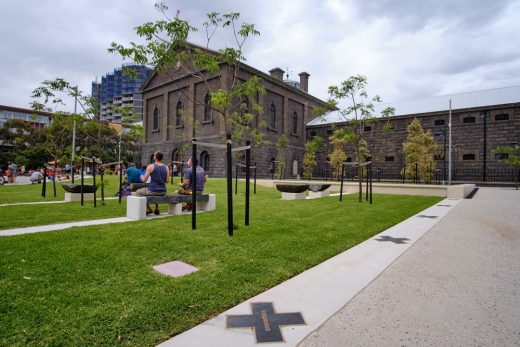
{"x": 304, "y": 81}
{"x": 277, "y": 73}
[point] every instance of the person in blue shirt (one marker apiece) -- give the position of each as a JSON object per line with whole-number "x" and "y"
{"x": 185, "y": 188}
{"x": 132, "y": 174}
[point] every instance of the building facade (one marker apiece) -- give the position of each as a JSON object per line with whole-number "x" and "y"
{"x": 481, "y": 121}
{"x": 286, "y": 109}
{"x": 118, "y": 89}
{"x": 38, "y": 119}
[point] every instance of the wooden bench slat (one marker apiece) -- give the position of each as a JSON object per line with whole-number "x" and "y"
{"x": 174, "y": 199}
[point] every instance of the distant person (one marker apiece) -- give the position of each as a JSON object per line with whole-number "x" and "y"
{"x": 175, "y": 170}
{"x": 14, "y": 172}
{"x": 36, "y": 177}
{"x": 159, "y": 176}
{"x": 186, "y": 187}
{"x": 142, "y": 172}
{"x": 132, "y": 174}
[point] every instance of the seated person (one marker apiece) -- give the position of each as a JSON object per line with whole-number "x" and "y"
{"x": 142, "y": 172}
{"x": 185, "y": 188}
{"x": 159, "y": 175}
{"x": 132, "y": 174}
{"x": 36, "y": 177}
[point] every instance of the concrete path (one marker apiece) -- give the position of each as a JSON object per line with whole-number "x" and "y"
{"x": 458, "y": 286}
{"x": 53, "y": 227}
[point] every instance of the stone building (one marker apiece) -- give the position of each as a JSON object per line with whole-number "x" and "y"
{"x": 481, "y": 122}
{"x": 287, "y": 108}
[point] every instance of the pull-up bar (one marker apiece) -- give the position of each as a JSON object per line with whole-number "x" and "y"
{"x": 368, "y": 188}
{"x": 229, "y": 175}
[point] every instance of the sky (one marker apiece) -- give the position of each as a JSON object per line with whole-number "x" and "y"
{"x": 407, "y": 49}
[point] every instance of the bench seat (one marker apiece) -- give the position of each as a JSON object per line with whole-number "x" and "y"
{"x": 136, "y": 205}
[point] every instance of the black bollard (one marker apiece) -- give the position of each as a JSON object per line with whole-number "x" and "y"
{"x": 120, "y": 181}
{"x": 82, "y": 178}
{"x": 370, "y": 174}
{"x": 44, "y": 187}
{"x": 229, "y": 173}
{"x": 94, "y": 178}
{"x": 194, "y": 186}
{"x": 341, "y": 186}
{"x": 248, "y": 167}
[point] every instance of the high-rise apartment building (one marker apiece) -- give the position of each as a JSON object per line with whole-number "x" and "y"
{"x": 118, "y": 89}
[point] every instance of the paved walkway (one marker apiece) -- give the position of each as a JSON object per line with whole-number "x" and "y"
{"x": 457, "y": 285}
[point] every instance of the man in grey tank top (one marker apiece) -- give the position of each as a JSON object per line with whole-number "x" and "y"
{"x": 159, "y": 175}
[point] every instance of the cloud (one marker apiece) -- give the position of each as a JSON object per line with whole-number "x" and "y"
{"x": 407, "y": 49}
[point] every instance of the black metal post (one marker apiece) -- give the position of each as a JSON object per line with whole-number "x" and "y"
{"x": 248, "y": 167}
{"x": 194, "y": 163}
{"x": 236, "y": 179}
{"x": 103, "y": 188}
{"x": 254, "y": 178}
{"x": 229, "y": 173}
{"x": 44, "y": 187}
{"x": 370, "y": 174}
{"x": 484, "y": 114}
{"x": 54, "y": 178}
{"x": 171, "y": 175}
{"x": 72, "y": 169}
{"x": 366, "y": 185}
{"x": 94, "y": 178}
{"x": 182, "y": 171}
{"x": 444, "y": 156}
{"x": 82, "y": 178}
{"x": 120, "y": 181}
{"x": 341, "y": 185}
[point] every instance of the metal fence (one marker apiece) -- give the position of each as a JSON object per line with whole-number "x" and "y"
{"x": 437, "y": 176}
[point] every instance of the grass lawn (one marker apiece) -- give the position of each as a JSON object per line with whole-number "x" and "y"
{"x": 96, "y": 286}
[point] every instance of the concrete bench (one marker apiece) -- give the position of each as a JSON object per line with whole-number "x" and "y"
{"x": 136, "y": 205}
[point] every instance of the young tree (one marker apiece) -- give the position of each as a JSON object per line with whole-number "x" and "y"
{"x": 357, "y": 116}
{"x": 419, "y": 150}
{"x": 167, "y": 50}
{"x": 281, "y": 156}
{"x": 339, "y": 139}
{"x": 309, "y": 160}
{"x": 512, "y": 157}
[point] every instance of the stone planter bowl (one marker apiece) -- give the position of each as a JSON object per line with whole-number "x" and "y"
{"x": 292, "y": 188}
{"x": 76, "y": 188}
{"x": 318, "y": 187}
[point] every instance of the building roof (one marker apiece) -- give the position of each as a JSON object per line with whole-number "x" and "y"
{"x": 24, "y": 110}
{"x": 254, "y": 71}
{"x": 479, "y": 98}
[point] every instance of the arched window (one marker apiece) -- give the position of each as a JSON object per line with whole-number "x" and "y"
{"x": 294, "y": 127}
{"x": 272, "y": 116}
{"x": 156, "y": 118}
{"x": 204, "y": 161}
{"x": 207, "y": 108}
{"x": 178, "y": 114}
